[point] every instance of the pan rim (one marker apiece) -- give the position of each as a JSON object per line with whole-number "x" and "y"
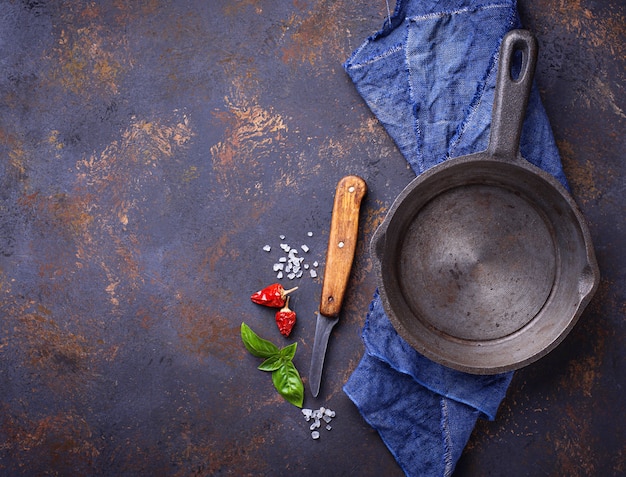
{"x": 476, "y": 348}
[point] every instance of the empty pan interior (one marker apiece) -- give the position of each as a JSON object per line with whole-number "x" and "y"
{"x": 478, "y": 262}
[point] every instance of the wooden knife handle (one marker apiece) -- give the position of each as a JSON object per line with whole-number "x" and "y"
{"x": 344, "y": 227}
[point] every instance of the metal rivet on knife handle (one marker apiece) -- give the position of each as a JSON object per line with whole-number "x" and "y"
{"x": 339, "y": 256}
{"x": 341, "y": 243}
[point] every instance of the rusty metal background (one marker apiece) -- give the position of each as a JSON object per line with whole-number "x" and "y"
{"x": 150, "y": 149}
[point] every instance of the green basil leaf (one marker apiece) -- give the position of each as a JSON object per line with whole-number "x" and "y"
{"x": 272, "y": 363}
{"x": 256, "y": 345}
{"x": 289, "y": 352}
{"x": 288, "y": 383}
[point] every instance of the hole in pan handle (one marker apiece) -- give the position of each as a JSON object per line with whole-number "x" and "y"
{"x": 511, "y": 96}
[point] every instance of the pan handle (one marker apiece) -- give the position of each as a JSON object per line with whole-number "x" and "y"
{"x": 511, "y": 95}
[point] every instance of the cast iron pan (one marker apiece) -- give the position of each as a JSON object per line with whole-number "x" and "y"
{"x": 484, "y": 262}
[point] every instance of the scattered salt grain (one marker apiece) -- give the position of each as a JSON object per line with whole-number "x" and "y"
{"x": 317, "y": 415}
{"x": 289, "y": 264}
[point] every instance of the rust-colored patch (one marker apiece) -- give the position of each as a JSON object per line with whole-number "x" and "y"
{"x": 54, "y": 351}
{"x": 585, "y": 371}
{"x": 574, "y": 444}
{"x": 207, "y": 333}
{"x": 332, "y": 151}
{"x": 582, "y": 177}
{"x": 63, "y": 436}
{"x": 190, "y": 174}
{"x": 96, "y": 220}
{"x": 252, "y": 135}
{"x": 128, "y": 11}
{"x": 604, "y": 31}
{"x": 17, "y": 155}
{"x": 66, "y": 212}
{"x": 219, "y": 251}
{"x": 583, "y": 375}
{"x": 86, "y": 60}
{"x": 317, "y": 36}
{"x": 236, "y": 7}
{"x": 216, "y": 457}
{"x": 602, "y": 34}
{"x": 114, "y": 179}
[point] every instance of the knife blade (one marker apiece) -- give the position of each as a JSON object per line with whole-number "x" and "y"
{"x": 342, "y": 239}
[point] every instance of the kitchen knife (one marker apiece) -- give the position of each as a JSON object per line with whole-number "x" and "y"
{"x": 344, "y": 226}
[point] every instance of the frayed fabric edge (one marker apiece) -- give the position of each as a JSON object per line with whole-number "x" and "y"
{"x": 364, "y": 416}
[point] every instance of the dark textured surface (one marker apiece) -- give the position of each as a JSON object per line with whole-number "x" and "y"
{"x": 149, "y": 149}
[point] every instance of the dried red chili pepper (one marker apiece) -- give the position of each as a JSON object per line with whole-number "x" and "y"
{"x": 285, "y": 319}
{"x": 273, "y": 296}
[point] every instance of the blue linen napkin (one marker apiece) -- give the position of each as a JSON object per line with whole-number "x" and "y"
{"x": 429, "y": 77}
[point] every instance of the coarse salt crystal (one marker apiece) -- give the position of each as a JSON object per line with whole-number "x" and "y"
{"x": 317, "y": 415}
{"x": 289, "y": 264}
